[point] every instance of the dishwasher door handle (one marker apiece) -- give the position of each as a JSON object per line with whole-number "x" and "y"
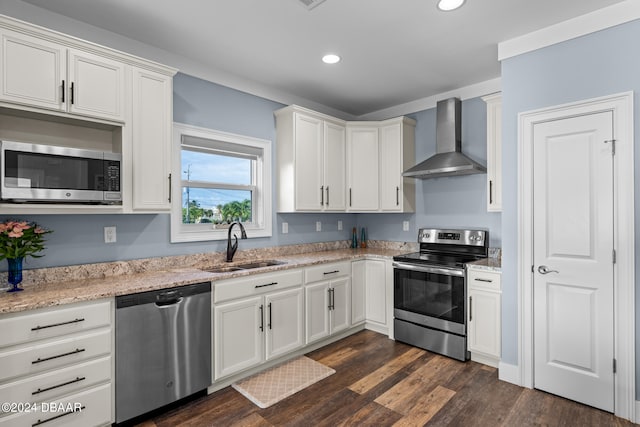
{"x": 168, "y": 302}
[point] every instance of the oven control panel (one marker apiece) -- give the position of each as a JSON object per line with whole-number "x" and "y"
{"x": 452, "y": 237}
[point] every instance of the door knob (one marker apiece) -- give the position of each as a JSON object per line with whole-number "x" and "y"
{"x": 543, "y": 269}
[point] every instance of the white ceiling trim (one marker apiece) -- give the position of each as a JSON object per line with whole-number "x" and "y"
{"x": 582, "y": 25}
{"x": 467, "y": 92}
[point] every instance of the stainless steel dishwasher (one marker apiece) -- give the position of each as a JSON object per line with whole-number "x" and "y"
{"x": 163, "y": 347}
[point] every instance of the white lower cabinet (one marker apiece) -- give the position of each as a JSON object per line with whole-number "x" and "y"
{"x": 484, "y": 316}
{"x": 372, "y": 293}
{"x": 250, "y": 329}
{"x": 56, "y": 363}
{"x": 327, "y": 300}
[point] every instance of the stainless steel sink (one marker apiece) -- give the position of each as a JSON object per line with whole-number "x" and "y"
{"x": 247, "y": 266}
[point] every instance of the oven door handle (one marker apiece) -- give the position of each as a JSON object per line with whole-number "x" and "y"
{"x": 429, "y": 269}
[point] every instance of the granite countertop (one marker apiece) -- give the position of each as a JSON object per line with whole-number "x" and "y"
{"x": 487, "y": 264}
{"x": 59, "y": 292}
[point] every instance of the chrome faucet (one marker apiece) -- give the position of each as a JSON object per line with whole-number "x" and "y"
{"x": 232, "y": 248}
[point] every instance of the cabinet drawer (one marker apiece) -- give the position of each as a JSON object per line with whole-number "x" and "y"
{"x": 52, "y": 322}
{"x": 91, "y": 407}
{"x": 26, "y": 360}
{"x": 327, "y": 271}
{"x": 50, "y": 385}
{"x": 484, "y": 279}
{"x": 255, "y": 285}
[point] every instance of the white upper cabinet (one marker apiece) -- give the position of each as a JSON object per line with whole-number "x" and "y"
{"x": 39, "y": 73}
{"x": 397, "y": 153}
{"x": 327, "y": 164}
{"x": 494, "y": 152}
{"x": 151, "y": 127}
{"x": 362, "y": 167}
{"x": 311, "y": 161}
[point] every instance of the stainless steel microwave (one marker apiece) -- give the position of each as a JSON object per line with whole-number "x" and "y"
{"x": 45, "y": 173}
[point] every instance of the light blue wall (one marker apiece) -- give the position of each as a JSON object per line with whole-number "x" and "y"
{"x": 598, "y": 64}
{"x": 78, "y": 239}
{"x": 454, "y": 202}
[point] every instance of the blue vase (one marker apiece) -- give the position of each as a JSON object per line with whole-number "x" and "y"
{"x": 15, "y": 274}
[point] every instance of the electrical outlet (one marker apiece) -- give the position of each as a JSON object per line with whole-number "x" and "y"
{"x": 405, "y": 225}
{"x": 339, "y": 225}
{"x": 318, "y": 226}
{"x": 285, "y": 227}
{"x": 110, "y": 234}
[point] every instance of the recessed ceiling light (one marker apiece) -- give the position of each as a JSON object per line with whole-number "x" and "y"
{"x": 330, "y": 59}
{"x": 448, "y": 5}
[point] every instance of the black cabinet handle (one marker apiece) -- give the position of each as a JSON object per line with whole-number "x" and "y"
{"x": 490, "y": 192}
{"x": 40, "y": 422}
{"x": 53, "y": 325}
{"x": 261, "y": 318}
{"x": 76, "y": 351}
{"x": 322, "y": 195}
{"x": 470, "y": 309}
{"x": 269, "y": 324}
{"x": 327, "y": 195}
{"x": 397, "y": 196}
{"x": 63, "y": 91}
{"x": 477, "y": 279}
{"x": 71, "y": 93}
{"x": 331, "y": 272}
{"x": 266, "y": 284}
{"x": 349, "y": 197}
{"x": 42, "y": 390}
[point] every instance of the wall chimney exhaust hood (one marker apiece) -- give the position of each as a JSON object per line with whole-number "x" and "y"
{"x": 448, "y": 160}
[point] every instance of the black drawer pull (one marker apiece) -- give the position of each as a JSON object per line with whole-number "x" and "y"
{"x": 40, "y": 422}
{"x": 53, "y": 325}
{"x": 331, "y": 272}
{"x": 267, "y": 284}
{"x": 482, "y": 280}
{"x": 42, "y": 390}
{"x": 76, "y": 351}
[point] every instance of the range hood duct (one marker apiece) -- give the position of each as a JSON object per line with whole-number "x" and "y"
{"x": 448, "y": 160}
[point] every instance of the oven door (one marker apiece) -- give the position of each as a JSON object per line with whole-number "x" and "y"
{"x": 430, "y": 296}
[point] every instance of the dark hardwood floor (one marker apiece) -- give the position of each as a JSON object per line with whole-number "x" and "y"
{"x": 379, "y": 382}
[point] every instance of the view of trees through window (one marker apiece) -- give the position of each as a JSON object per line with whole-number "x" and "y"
{"x": 221, "y": 214}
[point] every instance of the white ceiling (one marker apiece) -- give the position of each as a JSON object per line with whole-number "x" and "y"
{"x": 394, "y": 51}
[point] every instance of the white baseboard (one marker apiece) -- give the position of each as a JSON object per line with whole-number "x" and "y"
{"x": 509, "y": 373}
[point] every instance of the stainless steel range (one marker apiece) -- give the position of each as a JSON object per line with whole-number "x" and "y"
{"x": 430, "y": 290}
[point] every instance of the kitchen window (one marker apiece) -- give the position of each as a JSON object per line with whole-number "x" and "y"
{"x": 223, "y": 178}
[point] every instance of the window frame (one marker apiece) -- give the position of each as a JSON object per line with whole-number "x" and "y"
{"x": 261, "y": 225}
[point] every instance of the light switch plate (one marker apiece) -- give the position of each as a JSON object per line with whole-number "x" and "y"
{"x": 405, "y": 225}
{"x": 339, "y": 225}
{"x": 318, "y": 226}
{"x": 110, "y": 234}
{"x": 285, "y": 227}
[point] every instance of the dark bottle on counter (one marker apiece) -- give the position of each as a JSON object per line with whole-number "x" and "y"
{"x": 363, "y": 239}
{"x": 354, "y": 238}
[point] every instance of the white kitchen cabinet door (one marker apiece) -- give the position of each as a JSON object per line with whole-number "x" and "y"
{"x": 340, "y": 304}
{"x": 375, "y": 292}
{"x": 358, "y": 283}
{"x": 494, "y": 152}
{"x": 238, "y": 336}
{"x": 317, "y": 323}
{"x": 484, "y": 322}
{"x": 391, "y": 167}
{"x": 397, "y": 153}
{"x": 309, "y": 191}
{"x": 362, "y": 166}
{"x": 33, "y": 71}
{"x": 151, "y": 142}
{"x": 284, "y": 322}
{"x": 96, "y": 86}
{"x": 335, "y": 167}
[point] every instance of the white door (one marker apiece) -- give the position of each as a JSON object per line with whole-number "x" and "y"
{"x": 284, "y": 322}
{"x": 573, "y": 258}
{"x": 362, "y": 165}
{"x": 316, "y": 298}
{"x": 340, "y": 304}
{"x": 335, "y": 167}
{"x": 308, "y": 163}
{"x": 391, "y": 167}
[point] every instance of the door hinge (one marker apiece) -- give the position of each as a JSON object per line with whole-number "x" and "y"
{"x": 615, "y": 368}
{"x": 613, "y": 146}
{"x": 614, "y": 256}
